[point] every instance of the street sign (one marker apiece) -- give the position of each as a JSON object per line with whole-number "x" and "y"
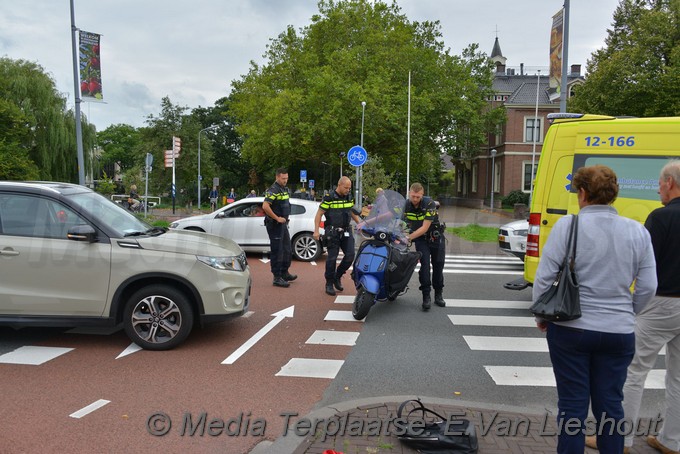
{"x": 216, "y": 181}
{"x": 357, "y": 156}
{"x": 168, "y": 158}
{"x": 303, "y": 176}
{"x": 149, "y": 159}
{"x": 311, "y": 184}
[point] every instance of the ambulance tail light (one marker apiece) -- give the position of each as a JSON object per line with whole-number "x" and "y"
{"x": 533, "y": 235}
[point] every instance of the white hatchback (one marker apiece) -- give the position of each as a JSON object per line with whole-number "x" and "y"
{"x": 512, "y": 238}
{"x": 243, "y": 222}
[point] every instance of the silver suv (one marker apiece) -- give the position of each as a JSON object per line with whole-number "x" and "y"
{"x": 70, "y": 257}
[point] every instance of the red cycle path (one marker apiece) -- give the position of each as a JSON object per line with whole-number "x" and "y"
{"x": 36, "y": 401}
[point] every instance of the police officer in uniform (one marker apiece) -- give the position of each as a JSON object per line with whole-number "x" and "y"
{"x": 427, "y": 233}
{"x": 338, "y": 207}
{"x": 277, "y": 208}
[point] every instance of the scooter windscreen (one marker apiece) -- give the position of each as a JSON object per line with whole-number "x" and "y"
{"x": 385, "y": 217}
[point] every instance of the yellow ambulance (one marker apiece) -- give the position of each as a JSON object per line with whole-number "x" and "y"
{"x": 635, "y": 148}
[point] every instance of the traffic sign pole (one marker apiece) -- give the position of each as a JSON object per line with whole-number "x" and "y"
{"x": 357, "y": 156}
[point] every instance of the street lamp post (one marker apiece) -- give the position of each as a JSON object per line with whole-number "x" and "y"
{"x": 198, "y": 185}
{"x": 493, "y": 173}
{"x": 360, "y": 202}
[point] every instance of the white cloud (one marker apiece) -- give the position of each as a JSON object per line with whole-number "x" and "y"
{"x": 191, "y": 50}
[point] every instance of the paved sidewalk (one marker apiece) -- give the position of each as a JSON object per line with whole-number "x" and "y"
{"x": 500, "y": 429}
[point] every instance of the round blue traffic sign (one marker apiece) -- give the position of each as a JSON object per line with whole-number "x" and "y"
{"x": 357, "y": 156}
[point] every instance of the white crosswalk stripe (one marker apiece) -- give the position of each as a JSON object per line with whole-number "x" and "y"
{"x": 517, "y": 375}
{"x": 482, "y": 264}
{"x": 479, "y": 264}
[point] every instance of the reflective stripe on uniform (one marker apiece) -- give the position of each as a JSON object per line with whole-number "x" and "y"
{"x": 336, "y": 204}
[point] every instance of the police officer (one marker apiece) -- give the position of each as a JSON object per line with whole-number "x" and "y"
{"x": 427, "y": 233}
{"x": 277, "y": 208}
{"x": 338, "y": 207}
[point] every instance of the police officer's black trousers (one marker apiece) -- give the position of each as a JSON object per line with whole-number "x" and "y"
{"x": 346, "y": 243}
{"x": 434, "y": 252}
{"x": 279, "y": 239}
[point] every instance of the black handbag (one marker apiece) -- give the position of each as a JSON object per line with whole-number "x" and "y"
{"x": 561, "y": 302}
{"x": 451, "y": 436}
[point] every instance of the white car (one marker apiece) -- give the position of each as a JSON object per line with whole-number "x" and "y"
{"x": 512, "y": 238}
{"x": 243, "y": 222}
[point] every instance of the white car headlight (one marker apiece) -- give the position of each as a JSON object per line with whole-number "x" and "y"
{"x": 173, "y": 225}
{"x": 233, "y": 263}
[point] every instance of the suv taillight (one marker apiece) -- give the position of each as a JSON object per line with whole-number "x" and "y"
{"x": 533, "y": 236}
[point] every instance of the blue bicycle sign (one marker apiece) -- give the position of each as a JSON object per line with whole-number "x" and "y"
{"x": 357, "y": 156}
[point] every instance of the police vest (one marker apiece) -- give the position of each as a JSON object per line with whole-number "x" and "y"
{"x": 337, "y": 209}
{"x": 279, "y": 198}
{"x": 426, "y": 211}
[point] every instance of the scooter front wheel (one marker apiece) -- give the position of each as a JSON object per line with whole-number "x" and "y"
{"x": 362, "y": 303}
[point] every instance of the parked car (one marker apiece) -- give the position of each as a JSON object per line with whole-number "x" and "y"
{"x": 512, "y": 238}
{"x": 243, "y": 222}
{"x": 71, "y": 257}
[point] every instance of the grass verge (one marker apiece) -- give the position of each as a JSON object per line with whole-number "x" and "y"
{"x": 475, "y": 233}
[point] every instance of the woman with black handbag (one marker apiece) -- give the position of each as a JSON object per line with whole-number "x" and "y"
{"x": 590, "y": 355}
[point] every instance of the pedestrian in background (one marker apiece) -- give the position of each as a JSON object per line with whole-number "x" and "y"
{"x": 420, "y": 213}
{"x": 231, "y": 197}
{"x": 590, "y": 355}
{"x": 277, "y": 208}
{"x": 658, "y": 324}
{"x": 252, "y": 194}
{"x": 214, "y": 195}
{"x": 338, "y": 208}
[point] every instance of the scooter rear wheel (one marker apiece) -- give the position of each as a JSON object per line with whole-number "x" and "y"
{"x": 362, "y": 303}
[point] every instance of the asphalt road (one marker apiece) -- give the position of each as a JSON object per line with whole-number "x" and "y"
{"x": 399, "y": 350}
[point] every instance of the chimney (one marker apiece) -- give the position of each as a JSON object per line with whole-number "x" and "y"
{"x": 521, "y": 69}
{"x": 575, "y": 70}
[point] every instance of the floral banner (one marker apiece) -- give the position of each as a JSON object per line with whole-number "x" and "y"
{"x": 556, "y": 34}
{"x": 90, "y": 66}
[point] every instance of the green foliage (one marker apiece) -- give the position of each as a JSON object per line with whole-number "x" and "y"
{"x": 14, "y": 161}
{"x": 516, "y": 196}
{"x": 475, "y": 233}
{"x": 638, "y": 71}
{"x": 304, "y": 103}
{"x": 121, "y": 144}
{"x": 106, "y": 186}
{"x": 374, "y": 177}
{"x": 49, "y": 139}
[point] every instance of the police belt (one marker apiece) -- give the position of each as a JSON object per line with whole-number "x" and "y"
{"x": 335, "y": 230}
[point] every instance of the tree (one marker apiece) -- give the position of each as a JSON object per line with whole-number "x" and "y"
{"x": 51, "y": 140}
{"x": 224, "y": 145}
{"x": 638, "y": 71}
{"x": 14, "y": 161}
{"x": 304, "y": 104}
{"x": 120, "y": 144}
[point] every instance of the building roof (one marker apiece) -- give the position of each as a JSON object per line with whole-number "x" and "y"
{"x": 521, "y": 89}
{"x": 496, "y": 52}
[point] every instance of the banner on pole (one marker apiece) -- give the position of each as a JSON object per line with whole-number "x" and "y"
{"x": 90, "y": 67}
{"x": 556, "y": 41}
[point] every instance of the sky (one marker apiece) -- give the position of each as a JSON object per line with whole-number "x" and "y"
{"x": 192, "y": 50}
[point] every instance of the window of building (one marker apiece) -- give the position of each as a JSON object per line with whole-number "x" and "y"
{"x": 532, "y": 125}
{"x": 526, "y": 175}
{"x": 496, "y": 182}
{"x": 474, "y": 177}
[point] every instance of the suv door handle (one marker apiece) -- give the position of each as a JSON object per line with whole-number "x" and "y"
{"x": 9, "y": 251}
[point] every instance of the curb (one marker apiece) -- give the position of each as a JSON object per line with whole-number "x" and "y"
{"x": 293, "y": 443}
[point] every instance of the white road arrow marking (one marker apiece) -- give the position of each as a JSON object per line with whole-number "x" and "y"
{"x": 278, "y": 317}
{"x": 132, "y": 348}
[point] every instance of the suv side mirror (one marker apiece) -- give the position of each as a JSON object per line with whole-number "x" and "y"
{"x": 82, "y": 232}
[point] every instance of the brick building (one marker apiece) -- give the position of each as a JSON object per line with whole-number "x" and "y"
{"x": 510, "y": 168}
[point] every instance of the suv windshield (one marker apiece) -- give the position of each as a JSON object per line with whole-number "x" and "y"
{"x": 109, "y": 213}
